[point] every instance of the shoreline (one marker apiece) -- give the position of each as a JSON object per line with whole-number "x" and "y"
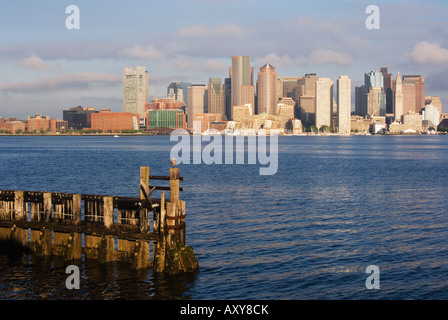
{"x": 158, "y": 135}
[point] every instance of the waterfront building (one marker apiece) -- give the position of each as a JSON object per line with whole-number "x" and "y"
{"x": 436, "y": 102}
{"x": 202, "y": 122}
{"x": 324, "y": 102}
{"x": 267, "y": 90}
{"x": 360, "y": 124}
{"x": 40, "y": 123}
{"x": 135, "y": 90}
{"x": 430, "y": 116}
{"x": 413, "y": 120}
{"x": 11, "y": 125}
{"x": 285, "y": 113}
{"x": 78, "y": 118}
{"x": 58, "y": 125}
{"x": 108, "y": 121}
{"x": 344, "y": 109}
{"x": 166, "y": 118}
{"x": 197, "y": 102}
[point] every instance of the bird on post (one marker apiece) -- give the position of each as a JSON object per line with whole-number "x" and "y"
{"x": 173, "y": 162}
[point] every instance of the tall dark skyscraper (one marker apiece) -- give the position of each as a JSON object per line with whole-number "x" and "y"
{"x": 389, "y": 88}
{"x": 228, "y": 89}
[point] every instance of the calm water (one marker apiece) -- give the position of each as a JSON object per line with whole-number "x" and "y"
{"x": 336, "y": 206}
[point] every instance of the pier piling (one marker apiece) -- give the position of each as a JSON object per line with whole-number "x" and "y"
{"x": 104, "y": 228}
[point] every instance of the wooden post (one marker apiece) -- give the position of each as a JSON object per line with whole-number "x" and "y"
{"x": 36, "y": 209}
{"x": 108, "y": 213}
{"x": 75, "y": 246}
{"x": 174, "y": 184}
{"x": 144, "y": 213}
{"x": 144, "y": 180}
{"x": 160, "y": 248}
{"x": 47, "y": 208}
{"x": 20, "y": 236}
{"x": 19, "y": 206}
{"x": 76, "y": 207}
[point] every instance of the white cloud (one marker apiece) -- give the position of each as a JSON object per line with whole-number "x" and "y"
{"x": 63, "y": 82}
{"x": 143, "y": 52}
{"x": 278, "y": 62}
{"x": 34, "y": 62}
{"x": 429, "y": 53}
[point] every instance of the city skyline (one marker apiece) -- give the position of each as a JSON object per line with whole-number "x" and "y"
{"x": 47, "y": 68}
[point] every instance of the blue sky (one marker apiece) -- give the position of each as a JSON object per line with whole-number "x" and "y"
{"x": 46, "y": 68}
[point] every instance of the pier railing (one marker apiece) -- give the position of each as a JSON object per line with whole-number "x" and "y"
{"x": 106, "y": 228}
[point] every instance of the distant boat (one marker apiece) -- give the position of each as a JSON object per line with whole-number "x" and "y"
{"x": 116, "y": 136}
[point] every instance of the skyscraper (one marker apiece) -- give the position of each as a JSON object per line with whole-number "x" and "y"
{"x": 388, "y": 90}
{"x": 228, "y": 92}
{"x": 267, "y": 90}
{"x": 305, "y": 94}
{"x": 398, "y": 98}
{"x": 324, "y": 102}
{"x": 216, "y": 97}
{"x": 360, "y": 101}
{"x": 413, "y": 93}
{"x": 197, "y": 102}
{"x": 377, "y": 103}
{"x": 176, "y": 92}
{"x": 184, "y": 86}
{"x": 344, "y": 104}
{"x": 375, "y": 99}
{"x": 248, "y": 96}
{"x": 135, "y": 90}
{"x": 241, "y": 74}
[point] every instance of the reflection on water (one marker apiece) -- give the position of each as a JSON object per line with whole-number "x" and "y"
{"x": 25, "y": 276}
{"x": 336, "y": 206}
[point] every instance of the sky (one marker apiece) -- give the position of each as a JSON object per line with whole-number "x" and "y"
{"x": 45, "y": 67}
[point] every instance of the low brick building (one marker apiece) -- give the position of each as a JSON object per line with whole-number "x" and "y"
{"x": 115, "y": 122}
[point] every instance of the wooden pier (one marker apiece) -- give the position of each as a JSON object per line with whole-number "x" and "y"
{"x": 105, "y": 228}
